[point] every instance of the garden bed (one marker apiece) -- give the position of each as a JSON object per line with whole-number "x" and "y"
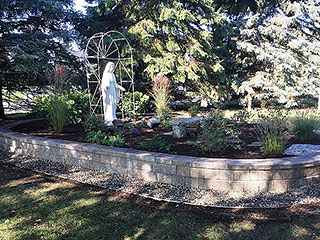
{"x": 185, "y": 146}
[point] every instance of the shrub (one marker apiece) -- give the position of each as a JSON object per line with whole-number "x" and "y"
{"x": 41, "y": 106}
{"x": 157, "y": 144}
{"x": 133, "y": 109}
{"x": 272, "y": 132}
{"x": 219, "y": 135}
{"x": 161, "y": 86}
{"x": 116, "y": 141}
{"x": 304, "y": 124}
{"x": 77, "y": 105}
{"x": 307, "y": 103}
{"x": 58, "y": 113}
{"x": 244, "y": 117}
{"x": 100, "y": 137}
{"x": 94, "y": 123}
{"x": 194, "y": 110}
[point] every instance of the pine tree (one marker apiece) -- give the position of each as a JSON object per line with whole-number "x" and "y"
{"x": 178, "y": 39}
{"x": 278, "y": 52}
{"x": 33, "y": 35}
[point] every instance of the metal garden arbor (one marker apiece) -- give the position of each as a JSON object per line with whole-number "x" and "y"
{"x": 102, "y": 48}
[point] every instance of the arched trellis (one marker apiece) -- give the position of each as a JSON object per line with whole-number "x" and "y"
{"x": 102, "y": 48}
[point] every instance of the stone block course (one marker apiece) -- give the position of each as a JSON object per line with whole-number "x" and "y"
{"x": 280, "y": 185}
{"x": 134, "y": 164}
{"x": 165, "y": 168}
{"x": 239, "y": 175}
{"x": 183, "y": 171}
{"x": 182, "y": 181}
{"x": 164, "y": 178}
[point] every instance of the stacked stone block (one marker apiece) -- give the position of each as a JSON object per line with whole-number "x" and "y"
{"x": 239, "y": 175}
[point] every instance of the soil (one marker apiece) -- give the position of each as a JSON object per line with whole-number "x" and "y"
{"x": 184, "y": 146}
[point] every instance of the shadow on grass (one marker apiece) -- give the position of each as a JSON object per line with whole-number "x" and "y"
{"x": 33, "y": 206}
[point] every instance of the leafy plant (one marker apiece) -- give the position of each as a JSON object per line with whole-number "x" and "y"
{"x": 94, "y": 123}
{"x": 245, "y": 117}
{"x": 134, "y": 108}
{"x": 116, "y": 141}
{"x": 98, "y": 137}
{"x": 194, "y": 110}
{"x": 242, "y": 116}
{"x": 77, "y": 105}
{"x": 219, "y": 135}
{"x": 157, "y": 144}
{"x": 304, "y": 124}
{"x": 165, "y": 123}
{"x": 307, "y": 103}
{"x": 161, "y": 90}
{"x": 58, "y": 113}
{"x": 103, "y": 138}
{"x": 41, "y": 106}
{"x": 272, "y": 132}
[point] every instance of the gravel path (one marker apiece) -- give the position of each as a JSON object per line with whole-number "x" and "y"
{"x": 166, "y": 192}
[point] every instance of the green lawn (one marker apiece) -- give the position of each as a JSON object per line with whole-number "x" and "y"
{"x": 36, "y": 207}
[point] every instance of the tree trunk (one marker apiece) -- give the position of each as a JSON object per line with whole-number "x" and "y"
{"x": 2, "y": 114}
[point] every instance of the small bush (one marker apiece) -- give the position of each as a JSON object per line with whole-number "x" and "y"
{"x": 77, "y": 105}
{"x": 140, "y": 105}
{"x": 100, "y": 137}
{"x": 219, "y": 135}
{"x": 272, "y": 132}
{"x": 116, "y": 141}
{"x": 244, "y": 117}
{"x": 58, "y": 113}
{"x": 94, "y": 123}
{"x": 307, "y": 103}
{"x": 304, "y": 124}
{"x": 157, "y": 144}
{"x": 194, "y": 110}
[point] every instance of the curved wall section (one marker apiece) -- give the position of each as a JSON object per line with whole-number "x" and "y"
{"x": 239, "y": 175}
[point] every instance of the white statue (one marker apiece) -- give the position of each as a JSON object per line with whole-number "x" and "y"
{"x": 110, "y": 93}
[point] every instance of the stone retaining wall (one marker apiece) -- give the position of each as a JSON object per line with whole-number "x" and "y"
{"x": 240, "y": 175}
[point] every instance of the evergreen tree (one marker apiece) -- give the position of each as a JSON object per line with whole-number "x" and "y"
{"x": 33, "y": 35}
{"x": 179, "y": 39}
{"x": 278, "y": 52}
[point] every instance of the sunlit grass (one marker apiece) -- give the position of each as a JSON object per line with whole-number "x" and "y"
{"x": 37, "y": 208}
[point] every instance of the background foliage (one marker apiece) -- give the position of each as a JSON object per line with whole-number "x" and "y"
{"x": 34, "y": 34}
{"x": 277, "y": 52}
{"x": 213, "y": 48}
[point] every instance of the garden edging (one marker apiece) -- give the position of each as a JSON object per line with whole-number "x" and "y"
{"x": 239, "y": 175}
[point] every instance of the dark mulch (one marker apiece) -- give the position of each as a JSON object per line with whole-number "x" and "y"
{"x": 182, "y": 146}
